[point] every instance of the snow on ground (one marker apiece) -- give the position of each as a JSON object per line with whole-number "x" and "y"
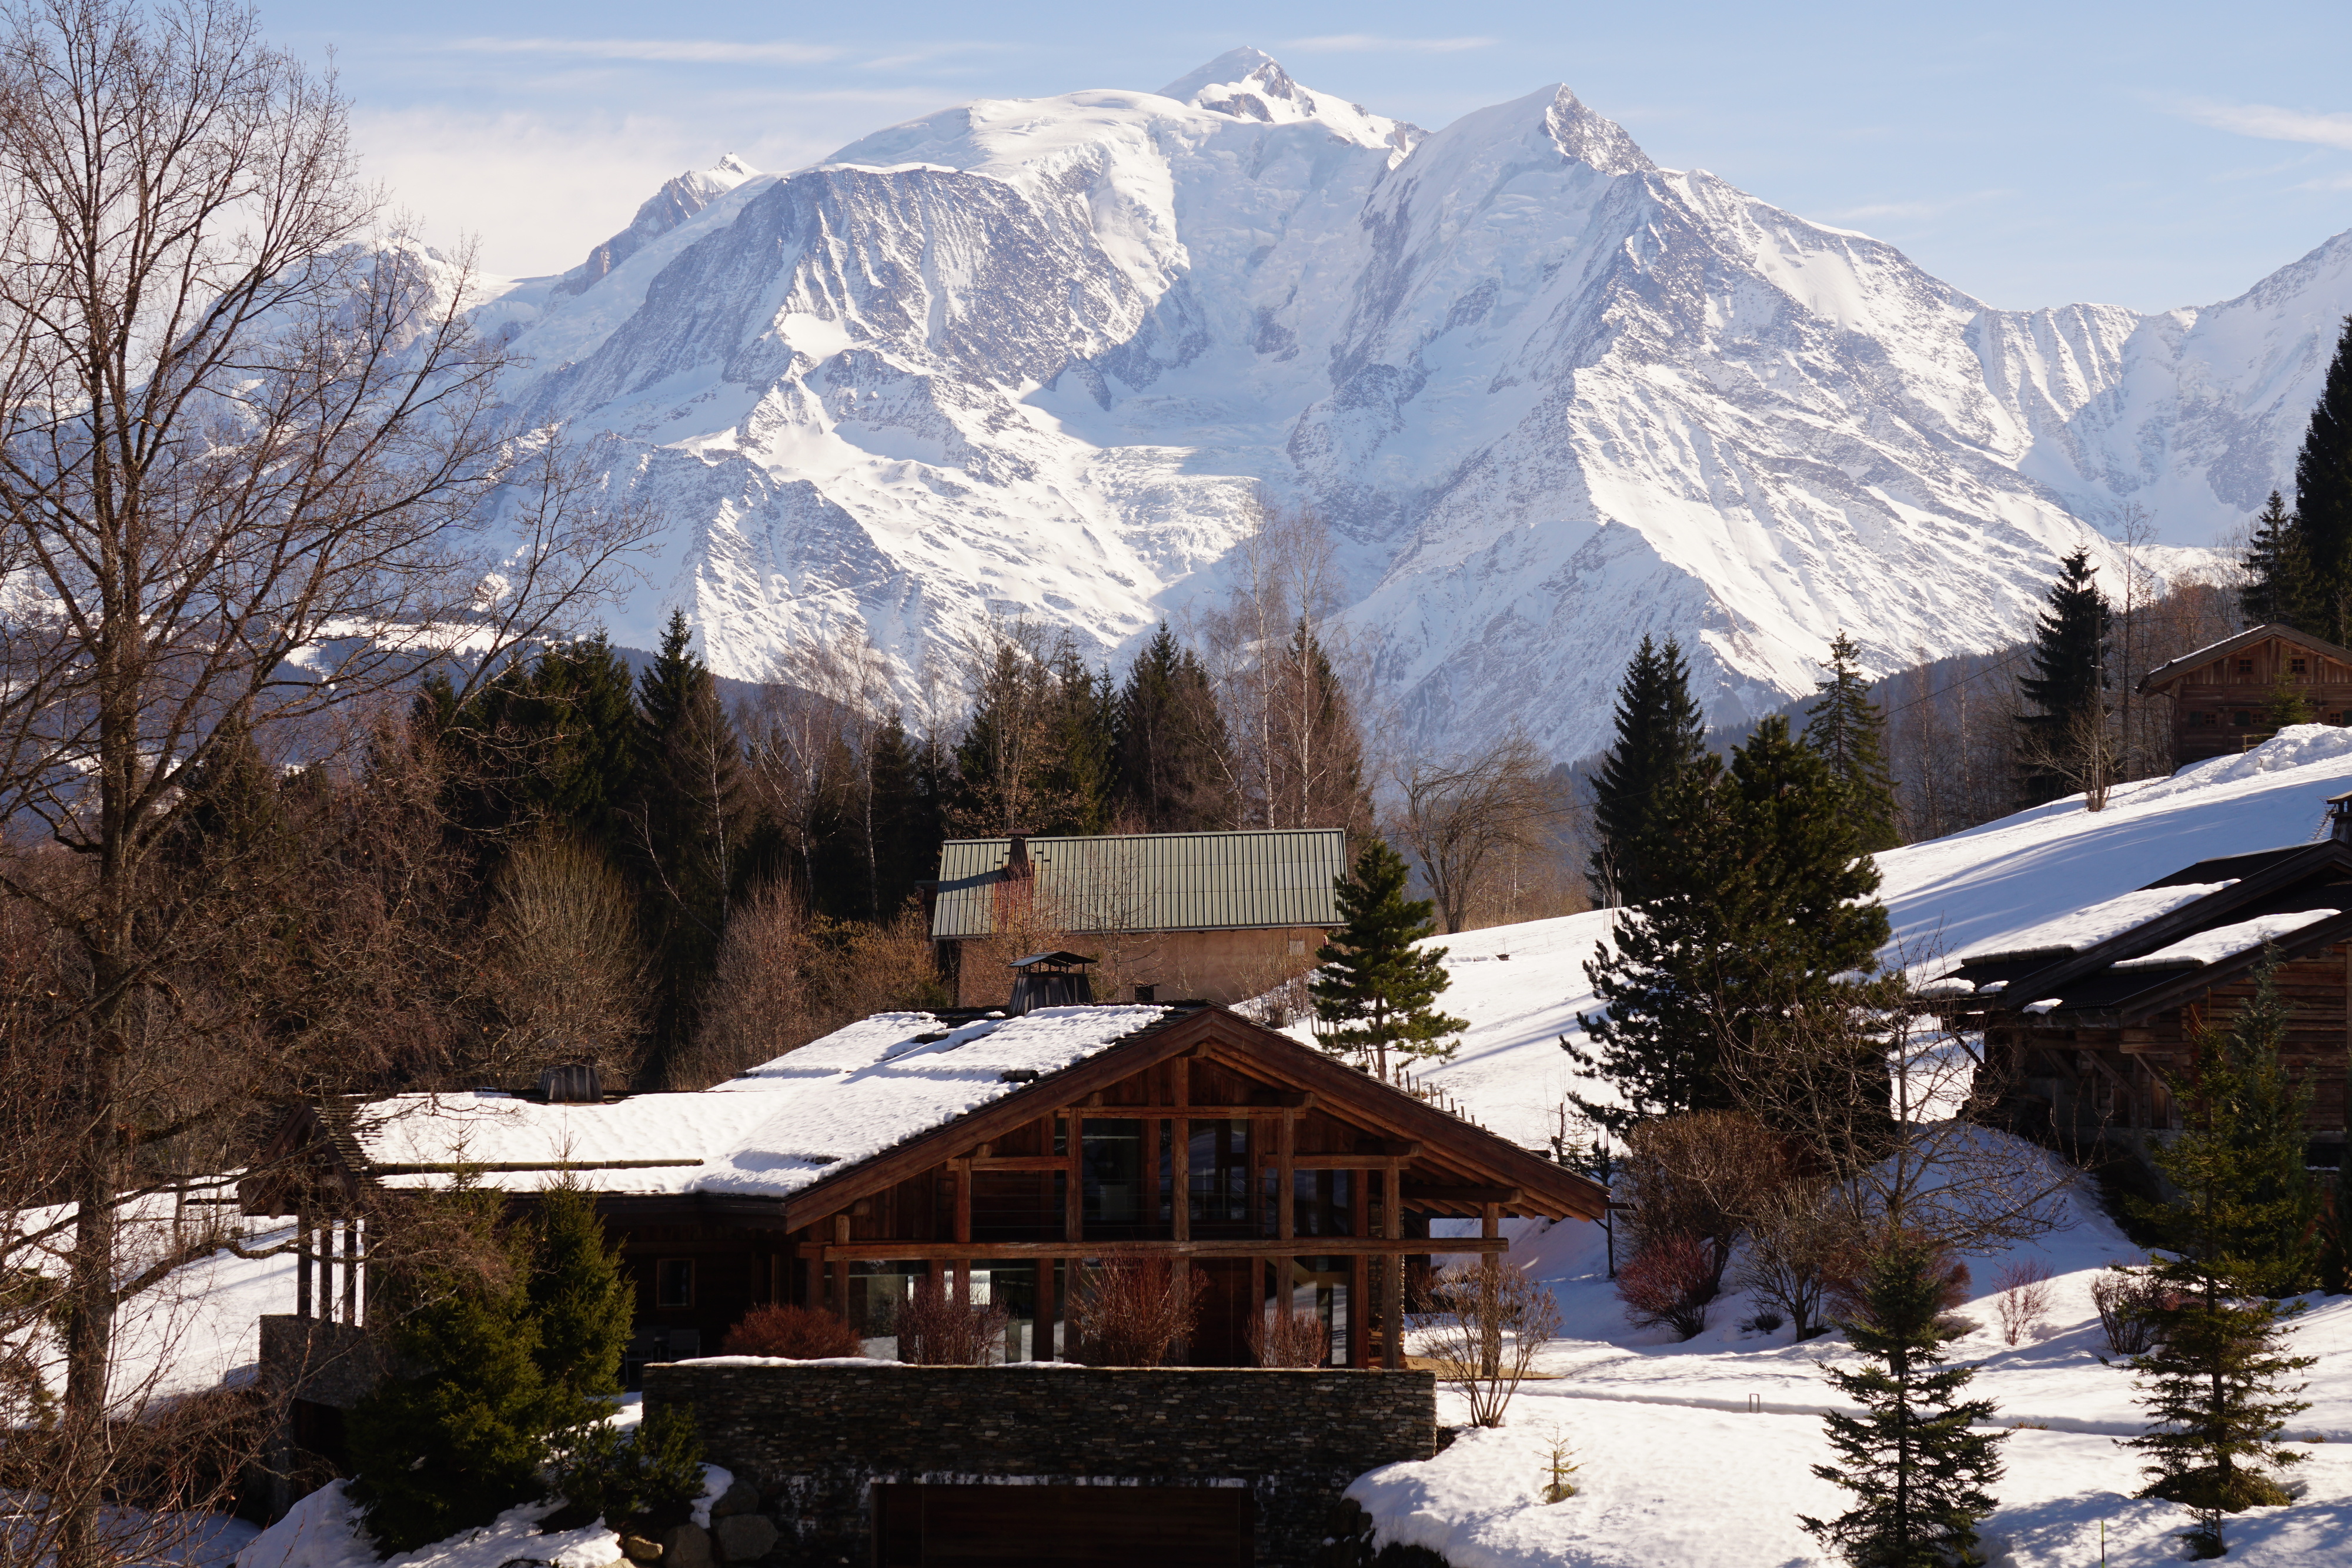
{"x": 322, "y": 1530}
{"x": 1700, "y": 1453}
{"x": 1523, "y": 987}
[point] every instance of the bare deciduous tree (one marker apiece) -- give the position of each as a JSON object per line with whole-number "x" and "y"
{"x": 1460, "y": 815}
{"x": 252, "y": 471}
{"x": 568, "y": 966}
{"x": 1485, "y": 1324}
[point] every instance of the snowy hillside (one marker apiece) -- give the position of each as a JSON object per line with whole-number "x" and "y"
{"x": 1032, "y": 356}
{"x": 1700, "y": 1453}
{"x": 1966, "y": 891}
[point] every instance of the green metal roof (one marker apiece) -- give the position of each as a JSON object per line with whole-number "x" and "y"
{"x": 1151, "y": 881}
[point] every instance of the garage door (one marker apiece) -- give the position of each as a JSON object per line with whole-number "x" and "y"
{"x": 1133, "y": 1527}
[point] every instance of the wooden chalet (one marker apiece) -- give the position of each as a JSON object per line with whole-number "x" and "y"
{"x": 1005, "y": 1154}
{"x": 1223, "y": 916}
{"x": 2221, "y": 695}
{"x": 2088, "y": 1019}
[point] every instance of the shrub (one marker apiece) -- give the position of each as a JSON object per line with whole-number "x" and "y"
{"x": 1133, "y": 1311}
{"x": 649, "y": 1478}
{"x": 1798, "y": 1236}
{"x": 1486, "y": 1324}
{"x": 1847, "y": 1278}
{"x": 1668, "y": 1284}
{"x": 1289, "y": 1338}
{"x": 2024, "y": 1298}
{"x": 794, "y": 1333}
{"x": 1700, "y": 1176}
{"x": 938, "y": 1327}
{"x": 2131, "y": 1307}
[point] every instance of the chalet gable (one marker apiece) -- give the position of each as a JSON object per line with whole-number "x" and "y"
{"x": 2118, "y": 962}
{"x": 2254, "y": 659}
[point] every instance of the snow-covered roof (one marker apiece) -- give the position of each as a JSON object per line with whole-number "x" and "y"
{"x": 2227, "y": 941}
{"x": 2166, "y": 672}
{"x": 778, "y": 1128}
{"x": 2093, "y": 923}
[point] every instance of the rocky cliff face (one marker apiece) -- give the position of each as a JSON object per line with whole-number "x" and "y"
{"x": 1035, "y": 358}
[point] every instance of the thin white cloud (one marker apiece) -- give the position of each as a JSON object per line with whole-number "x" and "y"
{"x": 2275, "y": 124}
{"x": 1372, "y": 44}
{"x": 665, "y": 51}
{"x": 1923, "y": 209}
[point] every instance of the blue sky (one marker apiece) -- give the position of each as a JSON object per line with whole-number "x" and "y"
{"x": 2148, "y": 155}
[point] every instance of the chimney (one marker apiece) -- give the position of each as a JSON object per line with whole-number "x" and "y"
{"x": 2339, "y": 818}
{"x": 1016, "y": 860}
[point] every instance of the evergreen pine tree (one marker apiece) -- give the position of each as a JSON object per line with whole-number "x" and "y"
{"x": 2068, "y": 690}
{"x": 1849, "y": 733}
{"x": 1921, "y": 1478}
{"x": 2278, "y": 590}
{"x": 2323, "y": 497}
{"x": 582, "y": 1300}
{"x": 691, "y": 817}
{"x": 457, "y": 1428}
{"x": 1080, "y": 772}
{"x": 2239, "y": 1232}
{"x": 1660, "y": 737}
{"x": 903, "y": 844}
{"x": 1172, "y": 762}
{"x": 1318, "y": 767}
{"x": 1375, "y": 993}
{"x": 1774, "y": 904}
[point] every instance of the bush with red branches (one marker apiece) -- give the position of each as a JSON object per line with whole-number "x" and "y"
{"x": 1287, "y": 1337}
{"x": 1668, "y": 1284}
{"x": 938, "y": 1326}
{"x": 1133, "y": 1311}
{"x": 795, "y": 1333}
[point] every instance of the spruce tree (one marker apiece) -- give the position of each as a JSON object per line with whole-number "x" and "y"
{"x": 1079, "y": 774}
{"x": 2323, "y": 497}
{"x": 902, "y": 839}
{"x": 1921, "y": 1479}
{"x": 458, "y": 1430}
{"x": 581, "y": 1298}
{"x": 691, "y": 817}
{"x": 1849, "y": 733}
{"x": 2239, "y": 1231}
{"x": 1173, "y": 766}
{"x": 1775, "y": 905}
{"x": 2335, "y": 1227}
{"x": 2278, "y": 589}
{"x": 2068, "y": 690}
{"x": 1660, "y": 736}
{"x": 1375, "y": 993}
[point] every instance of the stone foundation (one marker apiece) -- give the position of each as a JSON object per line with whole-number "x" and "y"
{"x": 815, "y": 1440}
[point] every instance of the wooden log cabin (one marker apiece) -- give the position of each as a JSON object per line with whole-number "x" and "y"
{"x": 1004, "y": 1154}
{"x": 2088, "y": 1020}
{"x": 2222, "y": 695}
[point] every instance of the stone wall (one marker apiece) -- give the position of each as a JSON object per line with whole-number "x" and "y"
{"x": 813, "y": 1439}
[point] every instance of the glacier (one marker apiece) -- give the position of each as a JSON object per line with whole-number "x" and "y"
{"x": 1042, "y": 358}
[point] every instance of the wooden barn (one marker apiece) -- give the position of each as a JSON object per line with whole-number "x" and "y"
{"x": 2088, "y": 1019}
{"x": 2223, "y": 694}
{"x": 1006, "y": 1154}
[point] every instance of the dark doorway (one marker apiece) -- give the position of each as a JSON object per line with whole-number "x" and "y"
{"x": 1133, "y": 1527}
{"x": 1221, "y": 1335}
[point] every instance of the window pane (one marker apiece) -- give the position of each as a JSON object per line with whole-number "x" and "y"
{"x": 1111, "y": 1158}
{"x": 1220, "y": 1185}
{"x": 878, "y": 1289}
{"x": 674, "y": 1282}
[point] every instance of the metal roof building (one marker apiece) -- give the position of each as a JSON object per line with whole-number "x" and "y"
{"x": 1146, "y": 882}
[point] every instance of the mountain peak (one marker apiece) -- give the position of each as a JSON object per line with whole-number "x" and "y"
{"x": 1232, "y": 67}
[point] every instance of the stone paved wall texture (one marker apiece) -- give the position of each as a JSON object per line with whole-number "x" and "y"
{"x": 814, "y": 1438}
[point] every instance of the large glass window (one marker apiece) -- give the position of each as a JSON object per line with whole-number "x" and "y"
{"x": 878, "y": 1289}
{"x": 1018, "y": 1206}
{"x": 1322, "y": 1199}
{"x": 1111, "y": 1160}
{"x": 1012, "y": 1286}
{"x": 1220, "y": 1188}
{"x": 674, "y": 1282}
{"x": 1317, "y": 1288}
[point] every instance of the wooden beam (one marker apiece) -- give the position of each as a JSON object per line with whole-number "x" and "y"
{"x": 1392, "y": 1267}
{"x": 841, "y": 1270}
{"x": 1180, "y": 1154}
{"x": 1286, "y": 1186}
{"x": 1016, "y": 1161}
{"x": 1471, "y": 1194}
{"x": 1333, "y": 1246}
{"x": 1074, "y": 1203}
{"x": 1357, "y": 1162}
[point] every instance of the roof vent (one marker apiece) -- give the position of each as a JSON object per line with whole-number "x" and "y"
{"x": 1017, "y": 1075}
{"x": 1050, "y": 981}
{"x": 572, "y": 1083}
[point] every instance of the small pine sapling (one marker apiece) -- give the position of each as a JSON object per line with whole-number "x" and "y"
{"x": 1921, "y": 1476}
{"x": 641, "y": 1480}
{"x": 2024, "y": 1298}
{"x": 1558, "y": 1487}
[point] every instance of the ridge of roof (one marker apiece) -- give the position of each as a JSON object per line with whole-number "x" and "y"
{"x": 2172, "y": 669}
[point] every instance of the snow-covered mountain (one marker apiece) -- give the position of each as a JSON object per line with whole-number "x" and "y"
{"x": 1036, "y": 357}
